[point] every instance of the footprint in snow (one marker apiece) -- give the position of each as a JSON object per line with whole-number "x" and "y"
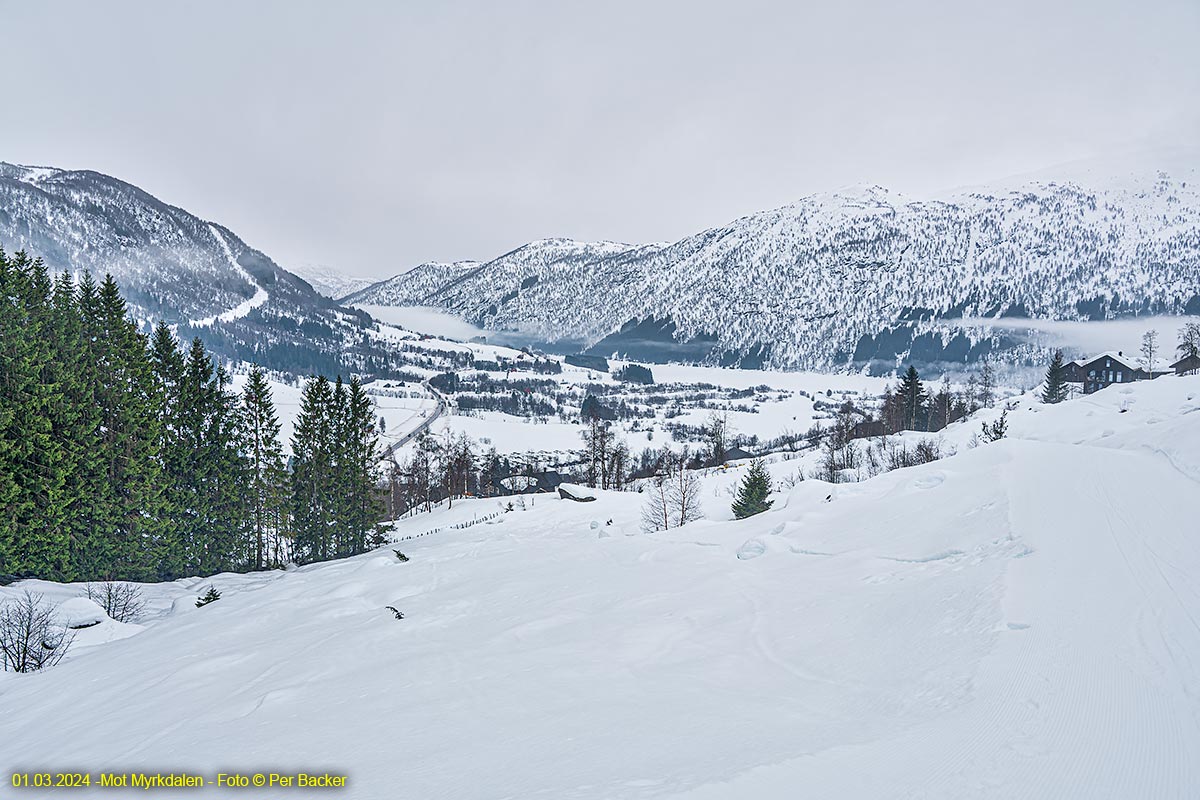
{"x": 929, "y": 481}
{"x": 753, "y": 548}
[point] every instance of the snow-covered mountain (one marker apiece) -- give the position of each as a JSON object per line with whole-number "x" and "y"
{"x": 173, "y": 266}
{"x": 419, "y": 282}
{"x": 854, "y": 276}
{"x": 170, "y": 263}
{"x": 330, "y": 281}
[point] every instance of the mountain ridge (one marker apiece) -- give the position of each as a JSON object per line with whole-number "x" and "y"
{"x": 854, "y": 277}
{"x": 196, "y": 275}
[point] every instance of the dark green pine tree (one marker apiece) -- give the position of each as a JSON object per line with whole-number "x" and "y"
{"x": 313, "y": 512}
{"x": 75, "y": 418}
{"x": 753, "y": 492}
{"x": 167, "y": 367}
{"x": 90, "y": 506}
{"x": 12, "y": 376}
{"x": 32, "y": 471}
{"x": 266, "y": 472}
{"x": 212, "y": 507}
{"x": 340, "y": 487}
{"x": 131, "y": 481}
{"x": 360, "y": 470}
{"x": 912, "y": 398}
{"x": 231, "y": 501}
{"x": 1055, "y": 389}
{"x": 51, "y": 421}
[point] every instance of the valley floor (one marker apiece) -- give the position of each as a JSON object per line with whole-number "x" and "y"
{"x": 1019, "y": 620}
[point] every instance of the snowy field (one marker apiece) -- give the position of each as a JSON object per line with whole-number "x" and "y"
{"x": 515, "y": 434}
{"x": 1021, "y": 620}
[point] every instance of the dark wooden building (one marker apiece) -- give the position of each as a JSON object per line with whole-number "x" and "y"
{"x": 1073, "y": 372}
{"x": 1107, "y": 369}
{"x": 1188, "y": 365}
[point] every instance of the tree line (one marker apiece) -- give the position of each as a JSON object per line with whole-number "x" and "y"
{"x": 123, "y": 456}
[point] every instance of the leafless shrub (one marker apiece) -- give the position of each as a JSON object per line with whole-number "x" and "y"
{"x": 121, "y": 601}
{"x": 672, "y": 498}
{"x": 791, "y": 480}
{"x": 928, "y": 450}
{"x": 30, "y": 639}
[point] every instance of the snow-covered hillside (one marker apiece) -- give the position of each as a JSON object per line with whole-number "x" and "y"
{"x": 170, "y": 264}
{"x": 850, "y": 277}
{"x": 1019, "y": 620}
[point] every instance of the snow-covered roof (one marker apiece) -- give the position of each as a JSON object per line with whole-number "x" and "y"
{"x": 1117, "y": 355}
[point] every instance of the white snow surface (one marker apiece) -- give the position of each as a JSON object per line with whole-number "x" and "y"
{"x": 1021, "y": 620}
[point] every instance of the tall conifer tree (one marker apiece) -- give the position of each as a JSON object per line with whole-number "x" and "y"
{"x": 1055, "y": 389}
{"x": 266, "y": 471}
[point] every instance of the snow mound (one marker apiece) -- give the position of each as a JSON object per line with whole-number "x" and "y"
{"x": 576, "y": 492}
{"x": 79, "y": 612}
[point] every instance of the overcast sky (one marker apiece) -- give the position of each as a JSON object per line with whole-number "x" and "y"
{"x": 374, "y": 136}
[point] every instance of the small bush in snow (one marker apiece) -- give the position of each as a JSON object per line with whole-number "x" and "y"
{"x": 212, "y": 595}
{"x": 121, "y": 601}
{"x": 30, "y": 639}
{"x": 997, "y": 430}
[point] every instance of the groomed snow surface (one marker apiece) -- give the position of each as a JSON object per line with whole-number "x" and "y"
{"x": 1021, "y": 620}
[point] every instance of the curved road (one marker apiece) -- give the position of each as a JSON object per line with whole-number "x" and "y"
{"x": 389, "y": 451}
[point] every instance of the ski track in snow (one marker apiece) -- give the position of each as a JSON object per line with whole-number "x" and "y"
{"x": 244, "y": 308}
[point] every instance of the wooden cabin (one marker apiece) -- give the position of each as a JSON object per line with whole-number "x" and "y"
{"x": 1107, "y": 369}
{"x": 1188, "y": 365}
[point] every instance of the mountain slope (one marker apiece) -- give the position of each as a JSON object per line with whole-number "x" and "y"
{"x": 858, "y": 275}
{"x": 1018, "y": 620}
{"x": 172, "y": 266}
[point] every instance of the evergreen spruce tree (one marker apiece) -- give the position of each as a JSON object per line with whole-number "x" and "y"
{"x": 49, "y": 422}
{"x": 167, "y": 368}
{"x": 74, "y": 417}
{"x": 231, "y": 501}
{"x": 211, "y": 596}
{"x": 360, "y": 469}
{"x": 25, "y": 432}
{"x": 341, "y": 485}
{"x": 313, "y": 511}
{"x": 1055, "y": 389}
{"x": 90, "y": 495}
{"x": 753, "y": 493}
{"x": 130, "y": 480}
{"x": 212, "y": 504}
{"x": 266, "y": 471}
{"x": 987, "y": 384}
{"x": 912, "y": 398}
